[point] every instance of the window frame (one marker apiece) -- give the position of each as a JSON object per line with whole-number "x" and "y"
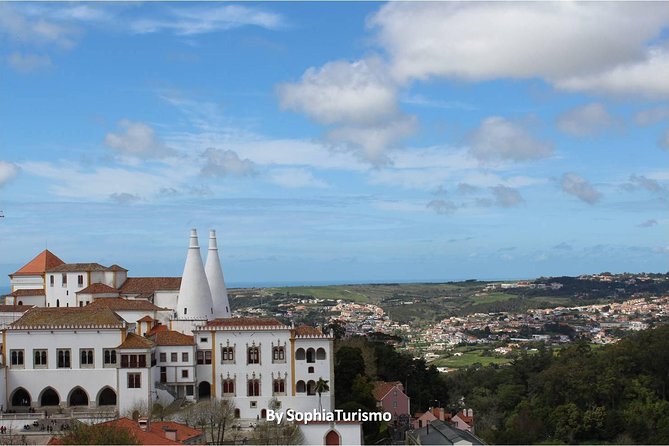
{"x": 66, "y": 361}
{"x": 43, "y": 362}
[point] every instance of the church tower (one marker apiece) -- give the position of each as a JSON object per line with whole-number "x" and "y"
{"x": 219, "y": 293}
{"x": 194, "y": 301}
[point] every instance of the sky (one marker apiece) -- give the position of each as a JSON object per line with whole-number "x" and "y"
{"x": 332, "y": 142}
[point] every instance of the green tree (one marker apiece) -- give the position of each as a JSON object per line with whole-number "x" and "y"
{"x": 81, "y": 433}
{"x": 321, "y": 386}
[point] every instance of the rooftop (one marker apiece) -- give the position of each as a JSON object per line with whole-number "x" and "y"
{"x": 44, "y": 261}
{"x": 234, "y": 322}
{"x": 69, "y": 317}
{"x": 306, "y": 330}
{"x": 14, "y": 308}
{"x": 438, "y": 432}
{"x": 98, "y": 288}
{"x": 156, "y": 433}
{"x": 170, "y": 337}
{"x": 381, "y": 388}
{"x": 22, "y": 293}
{"x": 121, "y": 304}
{"x": 134, "y": 341}
{"x": 149, "y": 285}
{"x": 77, "y": 267}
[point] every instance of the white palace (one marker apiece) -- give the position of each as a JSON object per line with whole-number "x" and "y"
{"x": 83, "y": 336}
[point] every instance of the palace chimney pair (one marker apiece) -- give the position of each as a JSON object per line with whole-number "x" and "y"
{"x": 202, "y": 294}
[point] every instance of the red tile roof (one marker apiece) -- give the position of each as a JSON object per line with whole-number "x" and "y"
{"x": 41, "y": 263}
{"x": 149, "y": 285}
{"x": 156, "y": 329}
{"x": 77, "y": 267}
{"x": 146, "y": 318}
{"x": 134, "y": 341}
{"x": 98, "y": 288}
{"x": 306, "y": 330}
{"x": 116, "y": 267}
{"x": 120, "y": 304}
{"x": 156, "y": 433}
{"x": 169, "y": 337}
{"x": 246, "y": 322}
{"x": 69, "y": 317}
{"x": 14, "y": 308}
{"x": 381, "y": 389}
{"x": 22, "y": 293}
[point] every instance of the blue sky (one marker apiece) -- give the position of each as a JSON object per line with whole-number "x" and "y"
{"x": 337, "y": 141}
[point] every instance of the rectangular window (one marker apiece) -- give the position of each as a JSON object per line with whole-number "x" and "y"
{"x": 253, "y": 387}
{"x": 64, "y": 279}
{"x": 279, "y": 387}
{"x": 227, "y": 355}
{"x": 134, "y": 380}
{"x": 86, "y": 357}
{"x": 253, "y": 355}
{"x": 174, "y": 357}
{"x": 184, "y": 357}
{"x": 204, "y": 339}
{"x": 40, "y": 359}
{"x": 228, "y": 387}
{"x": 163, "y": 357}
{"x": 133, "y": 361}
{"x": 163, "y": 374}
{"x": 189, "y": 390}
{"x": 80, "y": 280}
{"x": 278, "y": 354}
{"x": 63, "y": 355}
{"x": 110, "y": 357}
{"x": 184, "y": 373}
{"x": 17, "y": 358}
{"x": 51, "y": 279}
{"x": 203, "y": 357}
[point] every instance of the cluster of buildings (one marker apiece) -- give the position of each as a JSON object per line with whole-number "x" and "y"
{"x": 80, "y": 337}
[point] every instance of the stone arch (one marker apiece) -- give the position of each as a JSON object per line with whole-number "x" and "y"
{"x": 204, "y": 390}
{"x": 320, "y": 353}
{"x": 106, "y": 397}
{"x": 299, "y": 354}
{"x": 311, "y": 355}
{"x": 77, "y": 397}
{"x": 20, "y": 398}
{"x": 49, "y": 397}
{"x": 301, "y": 387}
{"x": 332, "y": 438}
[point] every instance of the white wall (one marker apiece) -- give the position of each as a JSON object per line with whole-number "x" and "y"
{"x": 27, "y": 282}
{"x": 66, "y": 295}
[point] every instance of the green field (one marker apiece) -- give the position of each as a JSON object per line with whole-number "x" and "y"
{"x": 324, "y": 292}
{"x": 492, "y": 297}
{"x": 469, "y": 358}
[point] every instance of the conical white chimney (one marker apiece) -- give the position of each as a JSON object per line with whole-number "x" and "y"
{"x": 219, "y": 293}
{"x": 194, "y": 301}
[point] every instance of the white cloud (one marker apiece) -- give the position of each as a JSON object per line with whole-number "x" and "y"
{"x": 26, "y": 63}
{"x": 7, "y": 172}
{"x": 27, "y": 30}
{"x": 643, "y": 182}
{"x": 652, "y": 115}
{"x": 443, "y": 207}
{"x": 579, "y": 187}
{"x": 295, "y": 178}
{"x": 648, "y": 223}
{"x": 646, "y": 77}
{"x": 201, "y": 20}
{"x": 505, "y": 196}
{"x": 220, "y": 162}
{"x": 137, "y": 140}
{"x": 585, "y": 120}
{"x": 500, "y": 139}
{"x": 124, "y": 198}
{"x": 594, "y": 46}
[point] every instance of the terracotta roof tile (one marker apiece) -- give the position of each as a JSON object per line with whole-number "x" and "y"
{"x": 170, "y": 337}
{"x": 246, "y": 322}
{"x": 120, "y": 304}
{"x": 156, "y": 329}
{"x": 77, "y": 267}
{"x": 96, "y": 288}
{"x": 69, "y": 317}
{"x": 306, "y": 330}
{"x": 22, "y": 293}
{"x": 149, "y": 285}
{"x": 41, "y": 263}
{"x": 116, "y": 267}
{"x": 14, "y": 308}
{"x": 381, "y": 389}
{"x": 156, "y": 433}
{"x": 134, "y": 341}
{"x": 146, "y": 318}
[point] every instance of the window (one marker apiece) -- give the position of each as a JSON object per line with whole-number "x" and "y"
{"x": 163, "y": 357}
{"x": 278, "y": 354}
{"x": 184, "y": 373}
{"x": 253, "y": 355}
{"x": 253, "y": 404}
{"x": 86, "y": 356}
{"x": 163, "y": 374}
{"x": 40, "y": 359}
{"x": 174, "y": 357}
{"x": 133, "y": 361}
{"x": 80, "y": 280}
{"x": 253, "y": 387}
{"x": 395, "y": 392}
{"x": 81, "y": 303}
{"x": 299, "y": 354}
{"x": 110, "y": 357}
{"x": 63, "y": 358}
{"x": 134, "y": 380}
{"x": 301, "y": 387}
{"x": 279, "y": 387}
{"x": 17, "y": 358}
{"x": 203, "y": 357}
{"x": 311, "y": 388}
{"x": 237, "y": 413}
{"x": 228, "y": 387}
{"x": 310, "y": 370}
{"x": 320, "y": 353}
{"x": 394, "y": 403}
{"x": 311, "y": 355}
{"x": 227, "y": 355}
{"x": 204, "y": 339}
{"x": 184, "y": 357}
{"x": 51, "y": 279}
{"x": 64, "y": 280}
{"x": 189, "y": 390}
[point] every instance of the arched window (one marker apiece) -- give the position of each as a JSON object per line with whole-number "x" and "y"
{"x": 228, "y": 387}
{"x": 253, "y": 355}
{"x": 21, "y": 397}
{"x": 301, "y": 387}
{"x": 332, "y": 438}
{"x": 299, "y": 354}
{"x": 320, "y": 353}
{"x": 237, "y": 413}
{"x": 278, "y": 354}
{"x": 253, "y": 388}
{"x": 78, "y": 397}
{"x": 263, "y": 413}
{"x": 107, "y": 397}
{"x": 311, "y": 387}
{"x": 279, "y": 386}
{"x": 311, "y": 355}
{"x": 49, "y": 397}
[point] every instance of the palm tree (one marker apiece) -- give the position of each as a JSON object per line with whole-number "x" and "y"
{"x": 321, "y": 386}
